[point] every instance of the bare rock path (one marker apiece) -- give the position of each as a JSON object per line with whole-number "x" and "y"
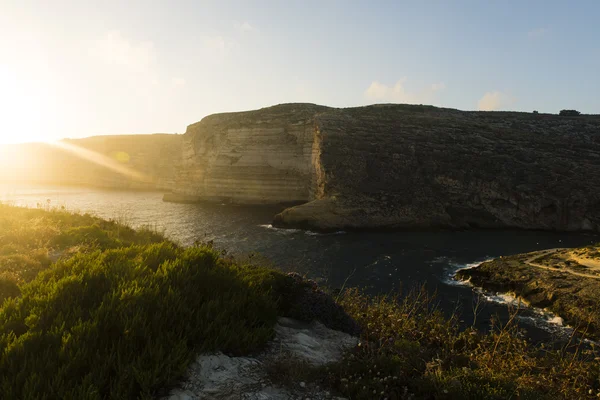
{"x": 220, "y": 377}
{"x": 530, "y": 261}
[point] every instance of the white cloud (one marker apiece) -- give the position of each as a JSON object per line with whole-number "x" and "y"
{"x": 537, "y": 33}
{"x": 494, "y": 101}
{"x": 114, "y": 49}
{"x": 378, "y": 91}
{"x": 246, "y": 27}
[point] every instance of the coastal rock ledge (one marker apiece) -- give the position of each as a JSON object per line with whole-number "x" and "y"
{"x": 398, "y": 166}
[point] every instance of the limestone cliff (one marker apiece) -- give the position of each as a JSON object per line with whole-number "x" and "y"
{"x": 400, "y": 166}
{"x": 120, "y": 162}
{"x": 263, "y": 156}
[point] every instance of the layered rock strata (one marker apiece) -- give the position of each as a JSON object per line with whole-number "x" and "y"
{"x": 399, "y": 166}
{"x": 254, "y": 157}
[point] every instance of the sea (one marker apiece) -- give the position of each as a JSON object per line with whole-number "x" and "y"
{"x": 380, "y": 263}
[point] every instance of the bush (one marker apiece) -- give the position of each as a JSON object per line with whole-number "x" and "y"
{"x": 300, "y": 298}
{"x": 126, "y": 322}
{"x": 569, "y": 113}
{"x": 8, "y": 286}
{"x": 95, "y": 309}
{"x": 308, "y": 302}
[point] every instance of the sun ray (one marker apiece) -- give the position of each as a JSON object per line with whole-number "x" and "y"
{"x": 101, "y": 160}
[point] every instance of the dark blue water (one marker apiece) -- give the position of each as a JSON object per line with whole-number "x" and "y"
{"x": 378, "y": 262}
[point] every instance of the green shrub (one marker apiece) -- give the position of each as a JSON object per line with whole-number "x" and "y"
{"x": 569, "y": 113}
{"x": 124, "y": 323}
{"x": 8, "y": 286}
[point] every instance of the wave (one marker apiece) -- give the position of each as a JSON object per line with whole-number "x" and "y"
{"x": 539, "y": 318}
{"x": 311, "y": 233}
{"x": 288, "y": 231}
{"x": 284, "y": 231}
{"x": 542, "y": 319}
{"x": 452, "y": 268}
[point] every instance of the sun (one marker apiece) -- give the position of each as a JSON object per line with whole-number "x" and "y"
{"x": 25, "y": 110}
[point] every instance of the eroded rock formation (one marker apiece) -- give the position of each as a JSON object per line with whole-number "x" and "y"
{"x": 264, "y": 156}
{"x": 399, "y": 166}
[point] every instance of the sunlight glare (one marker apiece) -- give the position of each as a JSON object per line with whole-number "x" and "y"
{"x": 100, "y": 159}
{"x": 26, "y": 110}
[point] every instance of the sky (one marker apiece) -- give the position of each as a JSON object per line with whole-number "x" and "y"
{"x": 80, "y": 68}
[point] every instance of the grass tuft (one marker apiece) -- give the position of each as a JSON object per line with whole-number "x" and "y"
{"x": 408, "y": 349}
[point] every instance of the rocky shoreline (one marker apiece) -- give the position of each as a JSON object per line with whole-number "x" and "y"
{"x": 551, "y": 280}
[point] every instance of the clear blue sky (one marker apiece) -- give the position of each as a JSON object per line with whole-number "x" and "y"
{"x": 79, "y": 68}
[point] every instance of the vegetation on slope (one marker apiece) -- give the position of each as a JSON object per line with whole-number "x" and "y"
{"x": 95, "y": 310}
{"x": 31, "y": 239}
{"x": 410, "y": 350}
{"x": 122, "y": 313}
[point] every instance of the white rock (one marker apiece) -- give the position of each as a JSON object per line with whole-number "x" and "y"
{"x": 182, "y": 395}
{"x": 314, "y": 342}
{"x": 220, "y": 377}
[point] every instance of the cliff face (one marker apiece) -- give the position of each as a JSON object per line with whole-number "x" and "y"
{"x": 401, "y": 166}
{"x": 263, "y": 156}
{"x": 121, "y": 162}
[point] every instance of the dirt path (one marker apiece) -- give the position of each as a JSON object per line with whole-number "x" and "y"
{"x": 588, "y": 262}
{"x": 529, "y": 261}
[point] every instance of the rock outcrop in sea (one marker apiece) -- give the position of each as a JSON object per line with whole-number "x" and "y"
{"x": 398, "y": 166}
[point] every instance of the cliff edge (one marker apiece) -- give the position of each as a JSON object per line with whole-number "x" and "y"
{"x": 399, "y": 166}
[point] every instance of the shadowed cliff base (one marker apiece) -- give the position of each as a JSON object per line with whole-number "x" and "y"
{"x": 394, "y": 166}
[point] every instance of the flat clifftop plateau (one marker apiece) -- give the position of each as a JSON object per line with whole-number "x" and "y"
{"x": 400, "y": 166}
{"x": 120, "y": 161}
{"x": 564, "y": 281}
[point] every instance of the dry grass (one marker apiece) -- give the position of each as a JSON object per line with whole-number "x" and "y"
{"x": 409, "y": 350}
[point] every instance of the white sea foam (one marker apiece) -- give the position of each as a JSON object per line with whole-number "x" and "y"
{"x": 541, "y": 319}
{"x": 280, "y": 230}
{"x": 453, "y": 268}
{"x": 500, "y": 298}
{"x": 311, "y": 233}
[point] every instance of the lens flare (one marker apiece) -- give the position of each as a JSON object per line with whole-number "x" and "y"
{"x": 102, "y": 160}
